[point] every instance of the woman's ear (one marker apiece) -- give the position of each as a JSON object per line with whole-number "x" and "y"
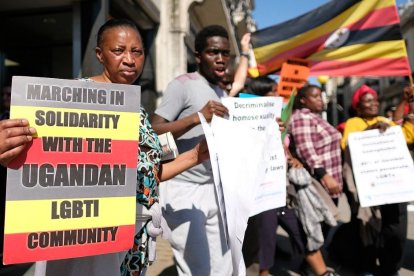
{"x": 358, "y": 110}
{"x": 98, "y": 53}
{"x": 302, "y": 100}
{"x": 197, "y": 57}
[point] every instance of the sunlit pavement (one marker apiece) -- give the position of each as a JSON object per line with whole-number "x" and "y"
{"x": 285, "y": 265}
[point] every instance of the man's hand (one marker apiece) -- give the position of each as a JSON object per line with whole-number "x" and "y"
{"x": 214, "y": 108}
{"x": 15, "y": 134}
{"x": 245, "y": 43}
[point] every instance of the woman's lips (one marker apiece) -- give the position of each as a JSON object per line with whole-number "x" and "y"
{"x": 129, "y": 72}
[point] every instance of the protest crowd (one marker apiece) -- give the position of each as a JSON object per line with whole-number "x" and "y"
{"x": 212, "y": 229}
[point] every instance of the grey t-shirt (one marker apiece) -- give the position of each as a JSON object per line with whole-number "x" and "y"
{"x": 184, "y": 96}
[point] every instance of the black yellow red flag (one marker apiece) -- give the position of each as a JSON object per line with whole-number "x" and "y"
{"x": 341, "y": 38}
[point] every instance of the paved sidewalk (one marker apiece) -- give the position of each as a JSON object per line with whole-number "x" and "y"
{"x": 164, "y": 266}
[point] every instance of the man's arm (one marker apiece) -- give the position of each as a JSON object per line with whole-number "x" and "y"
{"x": 241, "y": 72}
{"x": 177, "y": 128}
{"x": 181, "y": 126}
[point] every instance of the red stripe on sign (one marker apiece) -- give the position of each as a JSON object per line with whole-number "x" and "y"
{"x": 375, "y": 67}
{"x": 119, "y": 153}
{"x": 17, "y": 246}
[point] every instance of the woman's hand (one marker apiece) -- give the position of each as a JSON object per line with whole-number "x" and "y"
{"x": 15, "y": 134}
{"x": 408, "y": 93}
{"x": 331, "y": 184}
{"x": 294, "y": 163}
{"x": 381, "y": 126}
{"x": 184, "y": 161}
{"x": 201, "y": 151}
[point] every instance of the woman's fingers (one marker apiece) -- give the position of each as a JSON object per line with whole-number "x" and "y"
{"x": 9, "y": 155}
{"x": 15, "y": 134}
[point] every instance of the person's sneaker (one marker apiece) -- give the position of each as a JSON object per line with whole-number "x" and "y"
{"x": 330, "y": 273}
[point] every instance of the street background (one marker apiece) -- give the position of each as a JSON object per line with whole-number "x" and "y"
{"x": 285, "y": 265}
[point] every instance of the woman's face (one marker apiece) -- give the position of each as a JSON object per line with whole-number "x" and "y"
{"x": 122, "y": 55}
{"x": 368, "y": 106}
{"x": 313, "y": 100}
{"x": 273, "y": 92}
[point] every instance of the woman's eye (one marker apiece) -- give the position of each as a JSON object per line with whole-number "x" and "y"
{"x": 138, "y": 52}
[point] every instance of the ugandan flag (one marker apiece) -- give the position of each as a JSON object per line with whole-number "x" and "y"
{"x": 341, "y": 38}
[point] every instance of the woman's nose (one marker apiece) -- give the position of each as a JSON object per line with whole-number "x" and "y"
{"x": 128, "y": 57}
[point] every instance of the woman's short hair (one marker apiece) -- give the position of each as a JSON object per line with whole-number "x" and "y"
{"x": 302, "y": 94}
{"x": 201, "y": 38}
{"x": 114, "y": 23}
{"x": 261, "y": 86}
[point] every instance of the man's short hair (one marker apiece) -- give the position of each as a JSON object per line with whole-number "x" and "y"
{"x": 207, "y": 32}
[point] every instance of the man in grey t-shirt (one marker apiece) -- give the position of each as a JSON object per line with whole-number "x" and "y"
{"x": 189, "y": 200}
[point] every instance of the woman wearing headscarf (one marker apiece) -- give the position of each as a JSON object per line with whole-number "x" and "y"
{"x": 365, "y": 103}
{"x": 383, "y": 228}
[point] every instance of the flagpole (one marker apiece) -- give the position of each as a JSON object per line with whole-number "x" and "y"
{"x": 410, "y": 76}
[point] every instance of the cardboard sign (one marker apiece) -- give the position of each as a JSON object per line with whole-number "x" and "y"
{"x": 72, "y": 192}
{"x": 294, "y": 74}
{"x": 382, "y": 165}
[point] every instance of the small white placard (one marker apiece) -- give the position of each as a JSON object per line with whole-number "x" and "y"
{"x": 382, "y": 165}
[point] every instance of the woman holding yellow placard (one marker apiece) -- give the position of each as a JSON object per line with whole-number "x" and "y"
{"x": 120, "y": 51}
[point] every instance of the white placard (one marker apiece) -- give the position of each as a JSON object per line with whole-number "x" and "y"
{"x": 254, "y": 112}
{"x": 260, "y": 113}
{"x": 382, "y": 165}
{"x": 239, "y": 154}
{"x": 208, "y": 132}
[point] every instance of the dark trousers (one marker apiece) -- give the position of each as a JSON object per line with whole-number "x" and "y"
{"x": 391, "y": 241}
{"x": 260, "y": 239}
